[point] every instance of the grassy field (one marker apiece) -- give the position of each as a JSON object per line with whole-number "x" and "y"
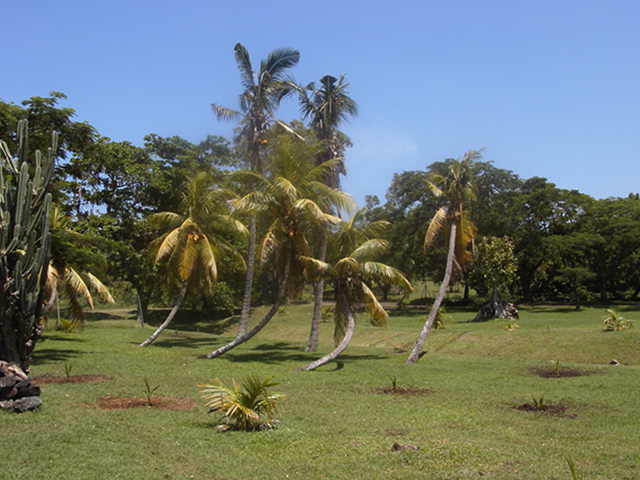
{"x": 334, "y": 424}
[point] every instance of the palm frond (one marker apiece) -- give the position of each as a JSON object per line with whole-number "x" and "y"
{"x": 315, "y": 268}
{"x": 370, "y": 249}
{"x": 100, "y": 287}
{"x": 437, "y": 222}
{"x": 278, "y": 61}
{"x": 168, "y": 245}
{"x": 164, "y": 220}
{"x": 224, "y": 113}
{"x": 315, "y": 211}
{"x": 244, "y": 65}
{"x": 76, "y": 286}
{"x": 379, "y": 316}
{"x": 386, "y": 275}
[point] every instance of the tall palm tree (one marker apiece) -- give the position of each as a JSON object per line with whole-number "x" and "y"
{"x": 352, "y": 270}
{"x": 263, "y": 91}
{"x": 192, "y": 241}
{"x": 456, "y": 188}
{"x": 326, "y": 108}
{"x": 291, "y": 202}
{"x": 65, "y": 279}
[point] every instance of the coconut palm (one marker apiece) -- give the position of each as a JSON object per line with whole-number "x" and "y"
{"x": 326, "y": 108}
{"x": 293, "y": 201}
{"x": 456, "y": 188}
{"x": 192, "y": 240}
{"x": 65, "y": 279}
{"x": 263, "y": 91}
{"x": 355, "y": 246}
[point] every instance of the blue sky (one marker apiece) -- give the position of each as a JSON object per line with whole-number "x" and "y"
{"x": 548, "y": 88}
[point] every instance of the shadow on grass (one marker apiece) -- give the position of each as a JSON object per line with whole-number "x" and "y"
{"x": 180, "y": 341}
{"x": 95, "y": 316}
{"x": 192, "y": 321}
{"x": 46, "y": 355}
{"x": 59, "y": 338}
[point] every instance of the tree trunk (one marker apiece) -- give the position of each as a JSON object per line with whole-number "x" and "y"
{"x": 417, "y": 349}
{"x": 58, "y": 322}
{"x": 282, "y": 293}
{"x": 351, "y": 326}
{"x": 140, "y": 310}
{"x": 318, "y": 295}
{"x": 172, "y": 313}
{"x": 248, "y": 282}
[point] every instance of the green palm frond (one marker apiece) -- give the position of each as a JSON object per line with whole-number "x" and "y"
{"x": 315, "y": 211}
{"x": 315, "y": 268}
{"x": 243, "y": 61}
{"x": 370, "y": 249}
{"x": 379, "y": 316}
{"x": 164, "y": 220}
{"x": 386, "y": 274}
{"x": 76, "y": 286}
{"x": 168, "y": 245}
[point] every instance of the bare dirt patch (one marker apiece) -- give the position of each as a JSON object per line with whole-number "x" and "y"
{"x": 551, "y": 409}
{"x": 162, "y": 403}
{"x": 45, "y": 379}
{"x": 403, "y": 391}
{"x": 565, "y": 372}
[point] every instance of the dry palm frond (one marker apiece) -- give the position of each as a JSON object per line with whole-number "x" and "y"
{"x": 100, "y": 288}
{"x": 437, "y": 222}
{"x": 379, "y": 316}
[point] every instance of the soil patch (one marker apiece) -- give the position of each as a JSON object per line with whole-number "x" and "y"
{"x": 552, "y": 409}
{"x": 163, "y": 403}
{"x": 44, "y": 379}
{"x": 552, "y": 372}
{"x": 403, "y": 391}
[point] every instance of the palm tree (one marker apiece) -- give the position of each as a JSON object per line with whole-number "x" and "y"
{"x": 192, "y": 240}
{"x": 262, "y": 94}
{"x": 291, "y": 201}
{"x": 456, "y": 188}
{"x": 63, "y": 279}
{"x": 355, "y": 246}
{"x": 326, "y": 107}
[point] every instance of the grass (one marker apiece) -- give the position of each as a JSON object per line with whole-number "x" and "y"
{"x": 333, "y": 425}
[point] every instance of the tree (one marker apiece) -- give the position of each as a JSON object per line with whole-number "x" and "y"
{"x": 71, "y": 252}
{"x": 326, "y": 108}
{"x": 352, "y": 270}
{"x": 191, "y": 241}
{"x": 456, "y": 188}
{"x": 494, "y": 270}
{"x": 290, "y": 201}
{"x": 24, "y": 246}
{"x": 263, "y": 91}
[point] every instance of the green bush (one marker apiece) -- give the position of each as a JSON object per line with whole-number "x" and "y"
{"x": 614, "y": 322}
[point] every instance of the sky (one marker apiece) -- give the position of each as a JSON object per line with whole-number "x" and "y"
{"x": 546, "y": 88}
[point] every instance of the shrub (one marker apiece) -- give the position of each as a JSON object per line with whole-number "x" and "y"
{"x": 614, "y": 322}
{"x": 246, "y": 406}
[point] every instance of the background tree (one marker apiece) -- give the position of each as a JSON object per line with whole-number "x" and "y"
{"x": 263, "y": 91}
{"x": 456, "y": 188}
{"x": 494, "y": 271}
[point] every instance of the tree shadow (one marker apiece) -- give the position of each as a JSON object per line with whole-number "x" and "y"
{"x": 96, "y": 316}
{"x": 181, "y": 341}
{"x": 59, "y": 338}
{"x": 54, "y": 355}
{"x": 192, "y": 321}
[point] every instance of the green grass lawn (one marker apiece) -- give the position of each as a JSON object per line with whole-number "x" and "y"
{"x": 334, "y": 426}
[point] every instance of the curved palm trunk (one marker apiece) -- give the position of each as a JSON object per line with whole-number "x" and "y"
{"x": 318, "y": 295}
{"x": 417, "y": 349}
{"x": 152, "y": 338}
{"x": 351, "y": 326}
{"x": 282, "y": 292}
{"x": 248, "y": 282}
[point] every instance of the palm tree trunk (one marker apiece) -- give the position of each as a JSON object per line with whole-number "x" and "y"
{"x": 282, "y": 292}
{"x": 248, "y": 282}
{"x": 152, "y": 338}
{"x": 417, "y": 349}
{"x": 58, "y": 322}
{"x": 351, "y": 326}
{"x": 318, "y": 295}
{"x": 139, "y": 310}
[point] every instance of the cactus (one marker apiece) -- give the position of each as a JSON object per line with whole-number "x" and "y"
{"x": 24, "y": 246}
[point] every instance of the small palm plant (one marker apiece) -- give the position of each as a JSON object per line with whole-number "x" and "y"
{"x": 614, "y": 322}
{"x": 247, "y": 406}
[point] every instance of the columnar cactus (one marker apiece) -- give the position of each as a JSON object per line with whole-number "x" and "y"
{"x": 24, "y": 246}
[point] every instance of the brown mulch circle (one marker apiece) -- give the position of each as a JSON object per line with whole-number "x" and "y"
{"x": 403, "y": 391}
{"x": 163, "y": 403}
{"x": 44, "y": 379}
{"x": 552, "y": 409}
{"x": 550, "y": 372}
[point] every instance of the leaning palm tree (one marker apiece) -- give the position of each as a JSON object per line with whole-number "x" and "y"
{"x": 326, "y": 108}
{"x": 263, "y": 91}
{"x": 192, "y": 240}
{"x": 290, "y": 201}
{"x": 456, "y": 189}
{"x": 67, "y": 280}
{"x": 353, "y": 269}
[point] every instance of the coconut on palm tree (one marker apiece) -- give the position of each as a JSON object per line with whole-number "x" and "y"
{"x": 326, "y": 108}
{"x": 290, "y": 202}
{"x": 263, "y": 91}
{"x": 353, "y": 270}
{"x": 192, "y": 240}
{"x": 456, "y": 189}
{"x": 64, "y": 277}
